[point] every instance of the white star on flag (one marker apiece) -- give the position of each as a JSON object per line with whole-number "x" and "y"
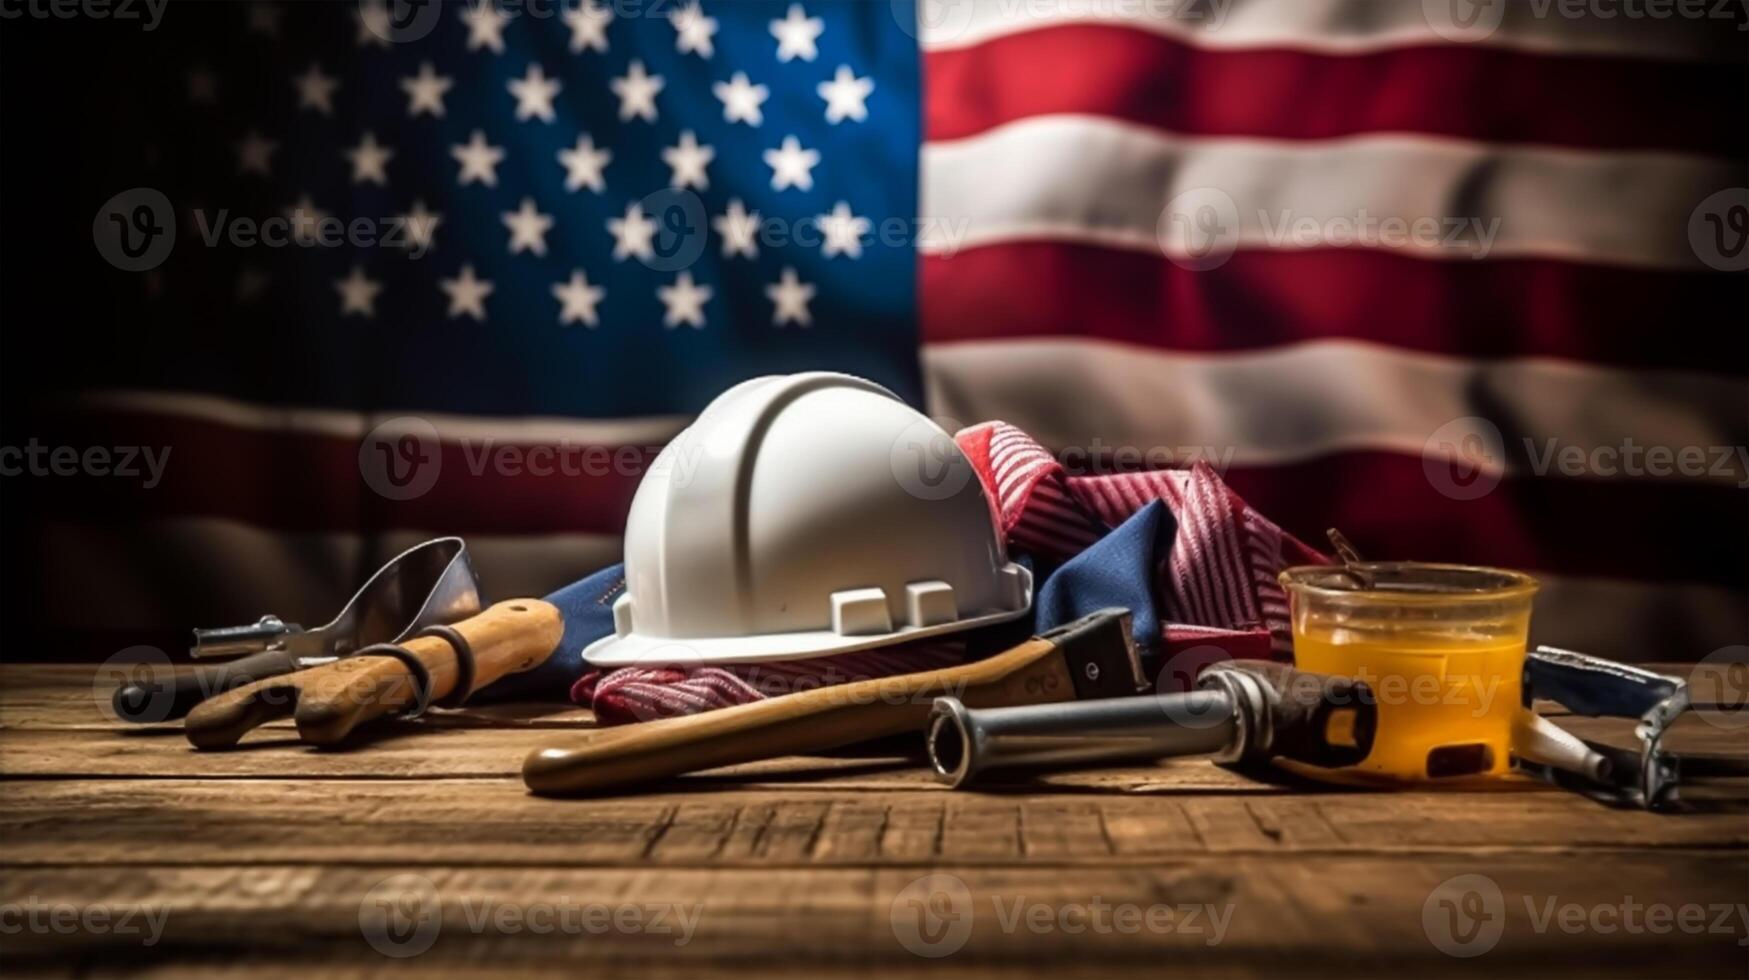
{"x": 467, "y": 294}
{"x": 374, "y": 25}
{"x": 358, "y": 294}
{"x": 789, "y": 298}
{"x": 316, "y": 90}
{"x": 583, "y": 165}
{"x": 796, "y": 34}
{"x": 251, "y": 283}
{"x": 528, "y": 228}
{"x": 419, "y": 227}
{"x": 306, "y": 221}
{"x": 633, "y": 235}
{"x": 739, "y": 230}
{"x": 687, "y": 161}
{"x": 637, "y": 92}
{"x": 684, "y": 301}
{"x": 479, "y": 160}
{"x": 264, "y": 19}
{"x": 577, "y": 300}
{"x": 370, "y": 161}
{"x": 792, "y": 166}
{"x": 741, "y": 99}
{"x": 846, "y": 96}
{"x": 485, "y": 26}
{"x": 588, "y": 23}
{"x": 255, "y": 154}
{"x": 693, "y": 30}
{"x": 842, "y": 231}
{"x": 203, "y": 86}
{"x": 534, "y": 94}
{"x": 425, "y": 91}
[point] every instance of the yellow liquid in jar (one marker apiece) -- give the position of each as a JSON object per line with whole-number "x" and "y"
{"x": 1446, "y": 701}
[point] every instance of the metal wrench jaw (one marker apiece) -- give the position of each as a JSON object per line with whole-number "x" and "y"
{"x": 267, "y": 633}
{"x": 1648, "y": 778}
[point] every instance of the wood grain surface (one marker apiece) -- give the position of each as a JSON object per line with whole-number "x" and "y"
{"x": 281, "y": 858}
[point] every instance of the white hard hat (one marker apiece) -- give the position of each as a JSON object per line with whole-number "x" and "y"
{"x": 805, "y": 515}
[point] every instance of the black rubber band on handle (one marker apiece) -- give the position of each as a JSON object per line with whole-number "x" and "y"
{"x": 464, "y": 664}
{"x": 416, "y": 667}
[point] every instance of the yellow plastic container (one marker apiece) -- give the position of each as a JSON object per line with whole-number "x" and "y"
{"x": 1441, "y": 646}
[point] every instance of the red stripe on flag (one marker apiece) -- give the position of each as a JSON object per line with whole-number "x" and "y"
{"x": 1262, "y": 298}
{"x": 304, "y": 481}
{"x": 1630, "y": 529}
{"x": 1469, "y": 92}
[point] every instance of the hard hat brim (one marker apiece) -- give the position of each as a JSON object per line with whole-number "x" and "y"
{"x": 638, "y": 650}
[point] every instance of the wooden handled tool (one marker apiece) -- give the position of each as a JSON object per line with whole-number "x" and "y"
{"x": 328, "y": 702}
{"x": 1092, "y": 657}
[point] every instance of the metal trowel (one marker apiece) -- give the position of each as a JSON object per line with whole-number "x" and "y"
{"x": 427, "y": 585}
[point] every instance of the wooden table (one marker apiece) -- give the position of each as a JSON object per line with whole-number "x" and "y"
{"x": 282, "y": 856}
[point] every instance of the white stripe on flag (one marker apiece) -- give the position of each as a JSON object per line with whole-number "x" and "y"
{"x": 635, "y": 431}
{"x": 1289, "y": 404}
{"x": 1095, "y": 180}
{"x": 1697, "y": 29}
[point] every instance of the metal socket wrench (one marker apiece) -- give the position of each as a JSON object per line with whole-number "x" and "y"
{"x": 1241, "y": 711}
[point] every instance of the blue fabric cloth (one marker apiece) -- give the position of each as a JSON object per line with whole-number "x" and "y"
{"x": 1117, "y": 570}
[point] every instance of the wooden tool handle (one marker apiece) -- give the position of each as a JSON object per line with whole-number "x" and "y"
{"x": 329, "y": 701}
{"x": 810, "y": 721}
{"x": 219, "y": 721}
{"x": 511, "y": 636}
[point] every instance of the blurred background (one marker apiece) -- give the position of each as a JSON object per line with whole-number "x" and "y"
{"x": 285, "y": 288}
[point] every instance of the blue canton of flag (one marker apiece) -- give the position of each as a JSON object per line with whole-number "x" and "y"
{"x": 569, "y": 208}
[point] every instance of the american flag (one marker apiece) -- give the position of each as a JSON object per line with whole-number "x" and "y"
{"x": 1425, "y": 271}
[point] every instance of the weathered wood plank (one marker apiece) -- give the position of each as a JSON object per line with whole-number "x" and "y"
{"x": 493, "y": 821}
{"x": 1246, "y": 916}
{"x": 414, "y": 752}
